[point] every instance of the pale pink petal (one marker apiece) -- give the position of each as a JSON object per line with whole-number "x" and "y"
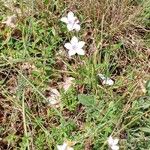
{"x": 68, "y": 46}
{"x": 70, "y": 27}
{"x": 64, "y": 19}
{"x": 77, "y": 27}
{"x": 71, "y": 16}
{"x": 81, "y": 44}
{"x": 74, "y": 41}
{"x": 68, "y": 83}
{"x": 11, "y": 21}
{"x": 71, "y": 52}
{"x": 80, "y": 51}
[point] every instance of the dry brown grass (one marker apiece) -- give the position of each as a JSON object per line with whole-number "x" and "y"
{"x": 119, "y": 20}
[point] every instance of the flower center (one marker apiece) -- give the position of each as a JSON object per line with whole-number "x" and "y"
{"x": 74, "y": 47}
{"x": 71, "y": 22}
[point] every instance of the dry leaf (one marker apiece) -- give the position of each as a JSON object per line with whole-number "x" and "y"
{"x": 8, "y": 3}
{"x": 68, "y": 82}
{"x": 13, "y": 7}
{"x": 88, "y": 144}
{"x": 12, "y": 84}
{"x": 26, "y": 66}
{"x": 18, "y": 12}
{"x": 70, "y": 143}
{"x": 54, "y": 98}
{"x": 11, "y": 21}
{"x": 143, "y": 89}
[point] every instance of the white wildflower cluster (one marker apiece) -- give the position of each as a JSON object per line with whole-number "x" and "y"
{"x": 75, "y": 46}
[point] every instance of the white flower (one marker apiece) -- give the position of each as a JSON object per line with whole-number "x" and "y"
{"x": 71, "y": 21}
{"x": 75, "y": 47}
{"x": 106, "y": 80}
{"x": 113, "y": 143}
{"x": 65, "y": 146}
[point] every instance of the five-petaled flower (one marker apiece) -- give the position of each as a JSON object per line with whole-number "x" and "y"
{"x": 75, "y": 47}
{"x": 71, "y": 21}
{"x": 113, "y": 143}
{"x": 65, "y": 146}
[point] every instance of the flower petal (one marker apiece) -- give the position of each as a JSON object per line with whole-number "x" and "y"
{"x": 110, "y": 139}
{"x": 71, "y": 53}
{"x": 116, "y": 141}
{"x": 108, "y": 81}
{"x": 103, "y": 78}
{"x": 76, "y": 27}
{"x": 71, "y": 16}
{"x": 115, "y": 147}
{"x": 64, "y": 19}
{"x": 80, "y": 51}
{"x": 74, "y": 41}
{"x": 68, "y": 83}
{"x": 62, "y": 147}
{"x": 77, "y": 20}
{"x": 70, "y": 27}
{"x": 81, "y": 44}
{"x": 59, "y": 147}
{"x": 68, "y": 46}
